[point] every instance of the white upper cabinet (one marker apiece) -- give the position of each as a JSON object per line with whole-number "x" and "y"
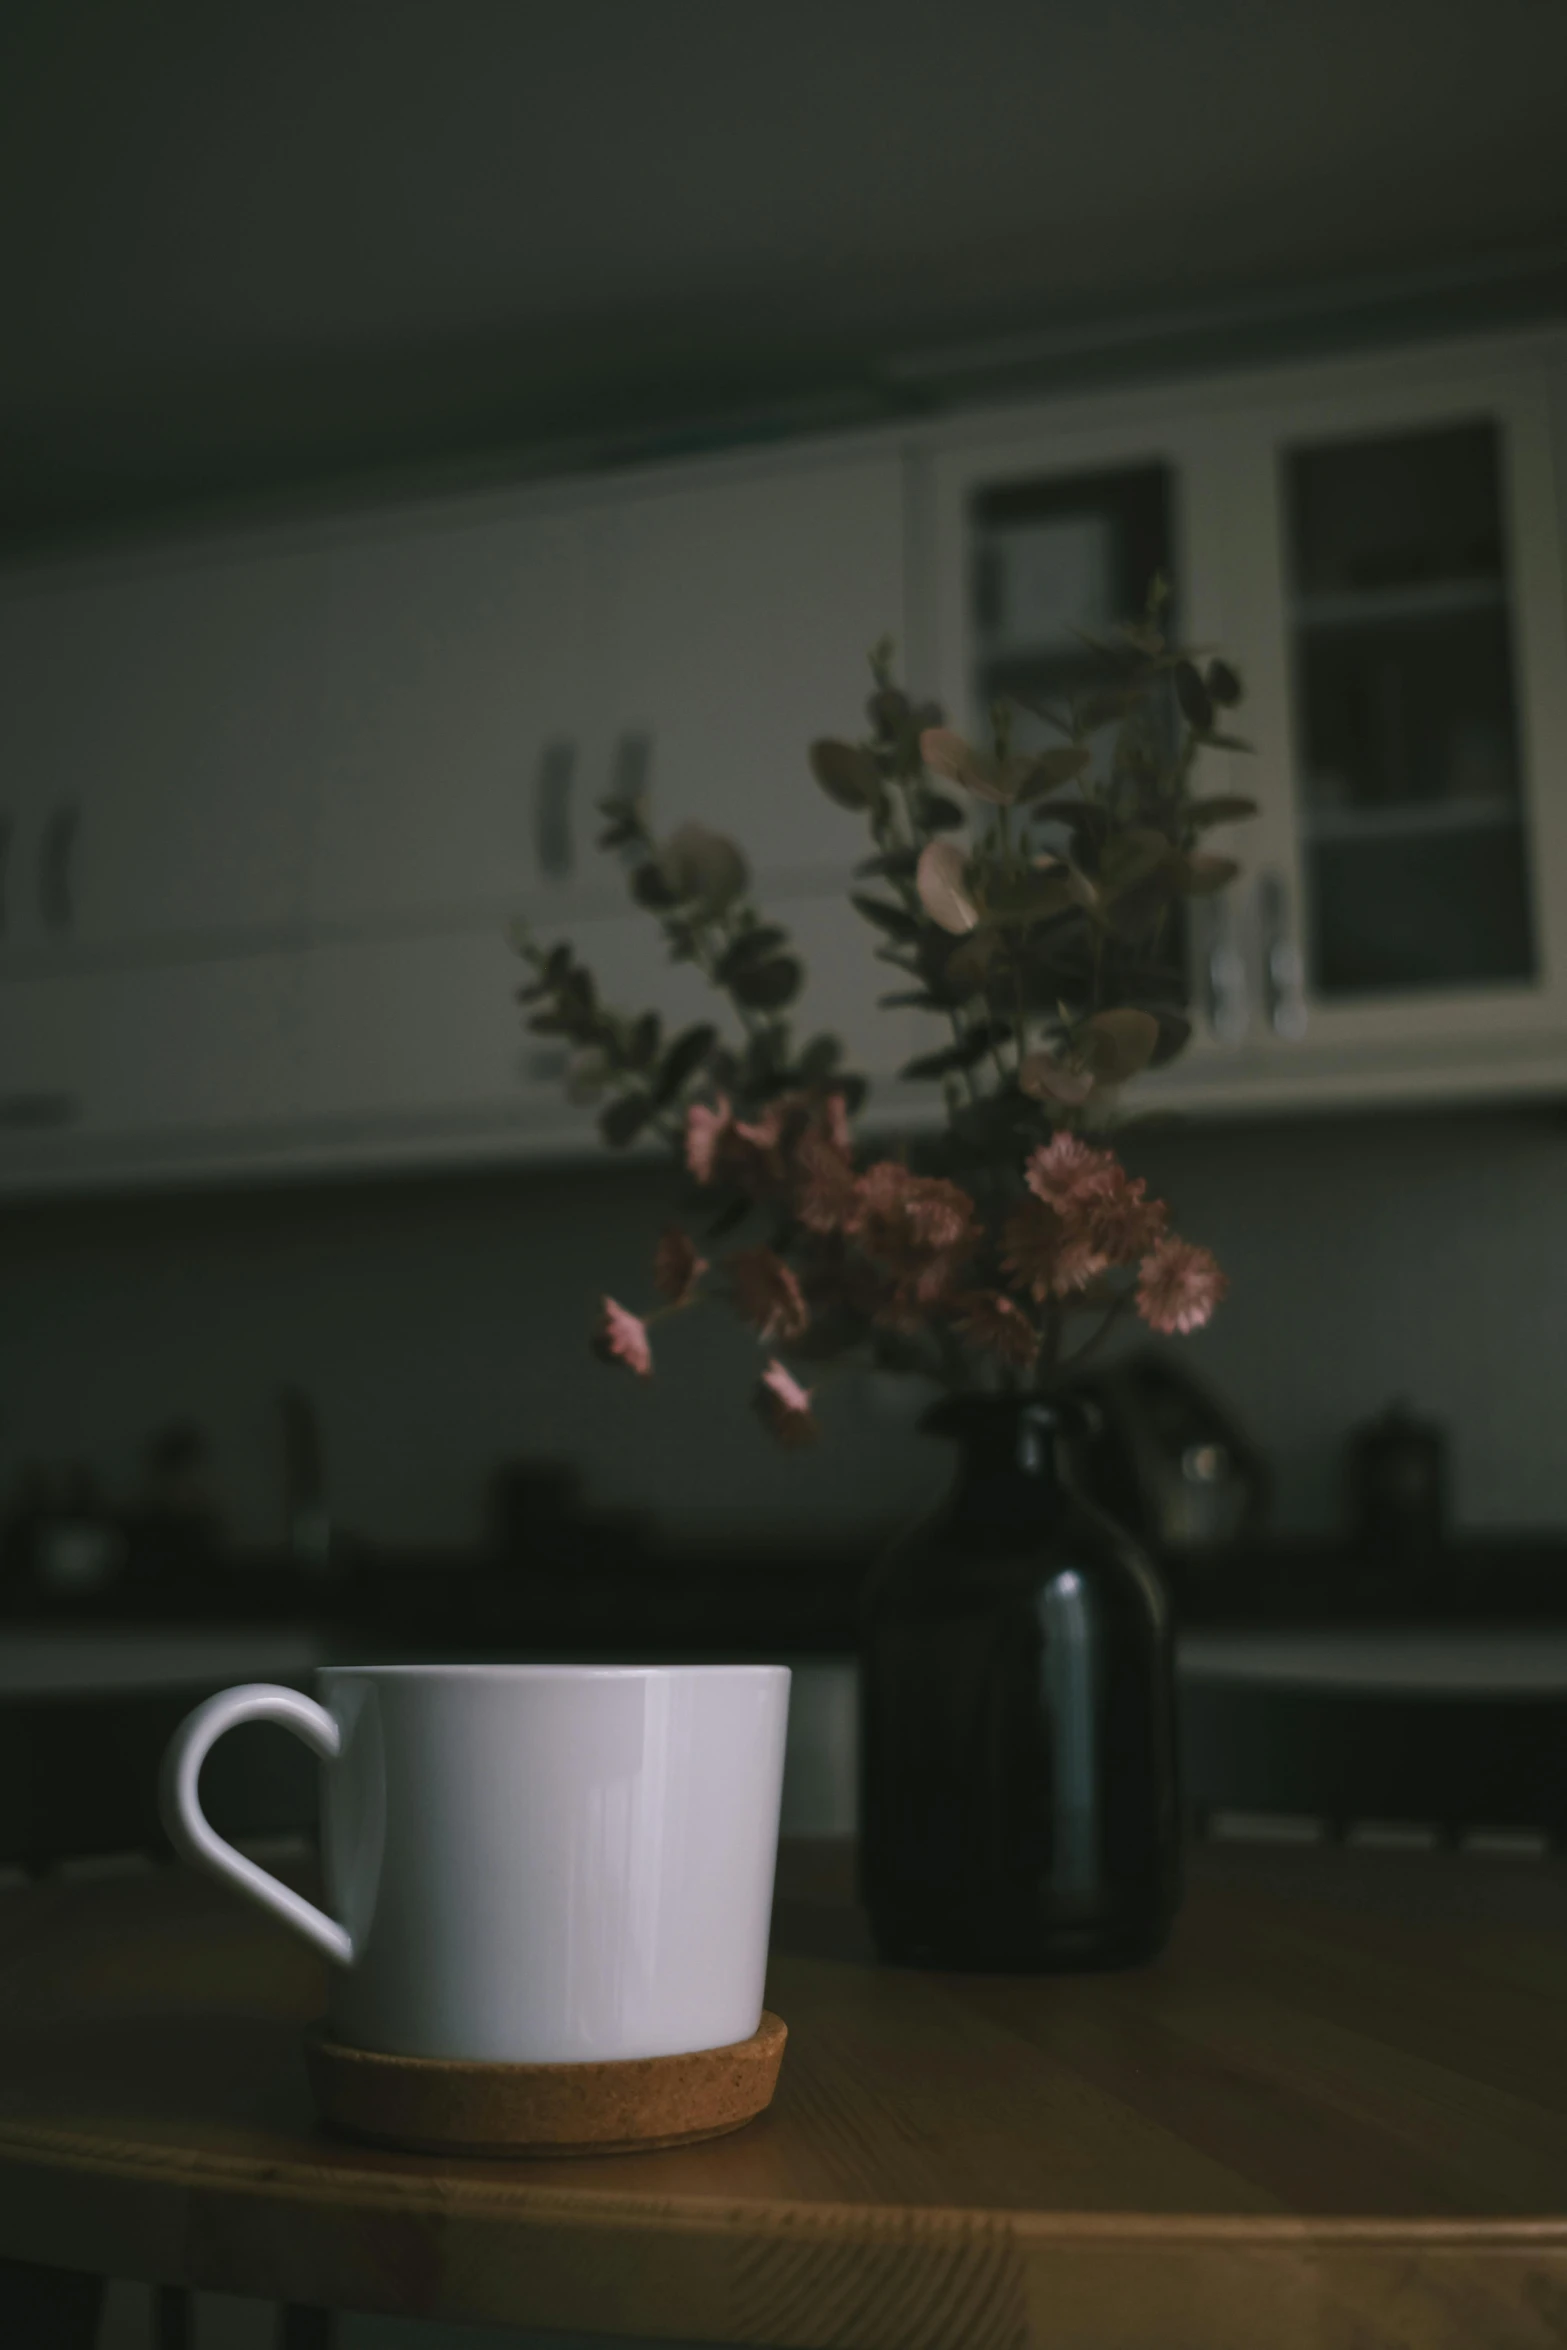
{"x": 463, "y": 749}
{"x": 1377, "y": 547}
{"x": 159, "y": 728}
{"x": 745, "y": 609}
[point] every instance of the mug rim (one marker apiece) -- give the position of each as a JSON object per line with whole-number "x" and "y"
{"x": 499, "y": 1670}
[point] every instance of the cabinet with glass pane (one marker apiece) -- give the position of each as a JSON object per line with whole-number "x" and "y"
{"x": 1378, "y": 546}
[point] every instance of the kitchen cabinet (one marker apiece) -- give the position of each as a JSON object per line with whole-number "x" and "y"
{"x": 465, "y": 734}
{"x": 1377, "y": 545}
{"x": 746, "y": 606}
{"x": 146, "y": 1070}
{"x": 416, "y": 1050}
{"x": 159, "y": 733}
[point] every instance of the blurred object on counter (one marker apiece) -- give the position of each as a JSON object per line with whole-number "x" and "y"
{"x": 1398, "y": 1491}
{"x": 176, "y": 1522}
{"x": 529, "y": 1503}
{"x": 1168, "y": 1459}
{"x": 61, "y": 1536}
{"x": 537, "y": 1519}
{"x": 307, "y": 1526}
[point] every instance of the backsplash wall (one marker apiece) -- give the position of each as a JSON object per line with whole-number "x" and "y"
{"x": 439, "y": 1326}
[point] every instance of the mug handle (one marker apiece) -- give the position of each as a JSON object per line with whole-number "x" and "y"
{"x": 196, "y": 1840}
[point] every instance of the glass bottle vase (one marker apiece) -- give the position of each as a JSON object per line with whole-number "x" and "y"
{"x": 1019, "y": 1799}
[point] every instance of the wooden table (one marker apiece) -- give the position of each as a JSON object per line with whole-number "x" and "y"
{"x": 1335, "y": 2113}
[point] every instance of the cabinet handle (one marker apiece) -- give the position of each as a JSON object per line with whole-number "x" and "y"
{"x": 1224, "y": 973}
{"x": 1283, "y": 973}
{"x": 633, "y": 766}
{"x": 552, "y": 843}
{"x": 7, "y": 842}
{"x": 56, "y": 859}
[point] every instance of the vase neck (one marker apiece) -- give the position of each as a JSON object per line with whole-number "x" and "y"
{"x": 1011, "y": 1465}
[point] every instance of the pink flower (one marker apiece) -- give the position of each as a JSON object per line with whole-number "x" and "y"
{"x": 622, "y": 1338}
{"x": 755, "y": 1152}
{"x": 705, "y": 1133}
{"x": 999, "y": 1326}
{"x": 1104, "y": 1216}
{"x": 1068, "y": 1173}
{"x": 919, "y": 1227}
{"x": 767, "y": 1295}
{"x": 835, "y": 1124}
{"x": 825, "y": 1194}
{"x": 784, "y": 1407}
{"x": 899, "y": 1214}
{"x": 676, "y": 1266}
{"x": 1178, "y": 1286}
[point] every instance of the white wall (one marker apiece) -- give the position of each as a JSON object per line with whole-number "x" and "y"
{"x": 440, "y": 1325}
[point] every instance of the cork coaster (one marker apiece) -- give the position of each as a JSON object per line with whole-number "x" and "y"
{"x": 435, "y": 2105}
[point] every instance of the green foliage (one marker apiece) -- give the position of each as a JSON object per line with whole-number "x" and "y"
{"x": 1047, "y": 928}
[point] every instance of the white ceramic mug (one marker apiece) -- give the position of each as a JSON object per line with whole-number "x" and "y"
{"x": 525, "y": 1863}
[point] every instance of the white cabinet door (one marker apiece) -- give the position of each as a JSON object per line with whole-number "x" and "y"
{"x": 418, "y": 1050}
{"x": 160, "y": 738}
{"x": 462, "y": 758}
{"x": 746, "y": 607}
{"x": 1377, "y": 546}
{"x": 155, "y": 1070}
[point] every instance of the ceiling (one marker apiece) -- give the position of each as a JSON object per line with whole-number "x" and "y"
{"x": 254, "y": 245}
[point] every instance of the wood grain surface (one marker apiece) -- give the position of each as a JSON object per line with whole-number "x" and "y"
{"x": 1334, "y": 2113}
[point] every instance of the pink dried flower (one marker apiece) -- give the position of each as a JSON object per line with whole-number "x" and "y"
{"x": 784, "y": 1407}
{"x": 1031, "y": 1247}
{"x": 901, "y": 1215}
{"x": 622, "y": 1338}
{"x": 835, "y": 1124}
{"x": 999, "y": 1326}
{"x": 825, "y": 1194}
{"x": 705, "y": 1132}
{"x": 676, "y": 1266}
{"x": 1105, "y": 1215}
{"x": 1068, "y": 1173}
{"x": 1178, "y": 1287}
{"x": 767, "y": 1295}
{"x": 1128, "y": 1223}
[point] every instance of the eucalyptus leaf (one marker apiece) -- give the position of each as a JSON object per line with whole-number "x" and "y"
{"x": 1120, "y": 1042}
{"x": 752, "y": 946}
{"x": 643, "y": 1043}
{"x": 1130, "y": 857}
{"x": 650, "y": 887}
{"x": 1049, "y": 770}
{"x": 767, "y": 987}
{"x": 847, "y": 773}
{"x": 1204, "y": 876}
{"x": 1195, "y": 700}
{"x": 684, "y": 1057}
{"x": 703, "y": 869}
{"x": 1224, "y": 685}
{"x": 1032, "y": 896}
{"x": 625, "y": 1118}
{"x": 819, "y": 1059}
{"x": 896, "y": 921}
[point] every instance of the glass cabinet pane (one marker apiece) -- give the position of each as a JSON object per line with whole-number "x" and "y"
{"x": 1057, "y": 559}
{"x": 1416, "y": 852}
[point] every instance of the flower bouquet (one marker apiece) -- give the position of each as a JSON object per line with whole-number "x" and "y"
{"x": 1030, "y": 899}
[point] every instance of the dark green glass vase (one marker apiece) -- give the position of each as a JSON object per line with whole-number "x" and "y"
{"x": 1019, "y": 1802}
